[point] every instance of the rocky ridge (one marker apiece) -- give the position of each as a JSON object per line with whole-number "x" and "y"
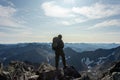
{"x": 17, "y": 70}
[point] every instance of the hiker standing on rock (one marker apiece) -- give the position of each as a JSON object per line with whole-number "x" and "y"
{"x": 58, "y": 46}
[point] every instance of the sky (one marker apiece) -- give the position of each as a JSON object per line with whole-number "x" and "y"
{"x": 90, "y": 21}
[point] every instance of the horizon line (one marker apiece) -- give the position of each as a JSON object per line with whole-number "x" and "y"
{"x": 65, "y": 42}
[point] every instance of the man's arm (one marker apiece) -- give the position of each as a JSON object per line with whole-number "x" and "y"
{"x": 62, "y": 44}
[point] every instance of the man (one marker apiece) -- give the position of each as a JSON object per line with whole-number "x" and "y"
{"x": 58, "y": 46}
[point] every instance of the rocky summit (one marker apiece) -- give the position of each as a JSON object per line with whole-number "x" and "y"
{"x": 17, "y": 70}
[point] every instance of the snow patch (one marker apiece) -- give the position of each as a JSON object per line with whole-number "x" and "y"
{"x": 4, "y": 58}
{"x": 87, "y": 61}
{"x": 113, "y": 53}
{"x": 101, "y": 59}
{"x": 48, "y": 60}
{"x": 99, "y": 62}
{"x": 67, "y": 57}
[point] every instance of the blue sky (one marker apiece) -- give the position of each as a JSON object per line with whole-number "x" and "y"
{"x": 96, "y": 21}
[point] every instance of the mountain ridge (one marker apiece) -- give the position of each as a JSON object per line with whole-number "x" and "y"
{"x": 38, "y": 53}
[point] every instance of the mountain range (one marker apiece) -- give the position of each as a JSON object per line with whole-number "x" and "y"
{"x": 81, "y": 58}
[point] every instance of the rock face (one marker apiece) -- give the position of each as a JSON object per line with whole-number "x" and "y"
{"x": 114, "y": 76}
{"x": 48, "y": 72}
{"x": 113, "y": 73}
{"x": 22, "y": 71}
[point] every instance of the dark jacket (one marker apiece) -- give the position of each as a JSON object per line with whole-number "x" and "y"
{"x": 59, "y": 42}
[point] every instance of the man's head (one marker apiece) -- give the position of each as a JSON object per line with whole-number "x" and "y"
{"x": 60, "y": 36}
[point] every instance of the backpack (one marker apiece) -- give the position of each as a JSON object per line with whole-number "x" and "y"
{"x": 55, "y": 43}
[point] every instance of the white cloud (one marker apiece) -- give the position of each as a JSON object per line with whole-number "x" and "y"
{"x": 73, "y": 21}
{"x": 53, "y": 10}
{"x": 97, "y": 10}
{"x": 74, "y": 15}
{"x": 79, "y": 20}
{"x": 108, "y": 23}
{"x": 7, "y": 18}
{"x": 7, "y": 22}
{"x": 11, "y": 26}
{"x": 94, "y": 11}
{"x": 6, "y": 11}
{"x": 9, "y": 3}
{"x": 66, "y": 23}
{"x": 69, "y": 1}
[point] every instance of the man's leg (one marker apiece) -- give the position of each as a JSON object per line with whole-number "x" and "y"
{"x": 63, "y": 58}
{"x": 56, "y": 60}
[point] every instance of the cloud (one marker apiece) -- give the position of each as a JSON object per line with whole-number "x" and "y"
{"x": 8, "y": 22}
{"x": 7, "y": 18}
{"x": 11, "y": 26}
{"x": 77, "y": 14}
{"x": 66, "y": 23}
{"x": 69, "y": 1}
{"x": 93, "y": 11}
{"x": 107, "y": 23}
{"x": 97, "y": 10}
{"x": 73, "y": 21}
{"x": 9, "y": 3}
{"x": 53, "y": 10}
{"x": 6, "y": 11}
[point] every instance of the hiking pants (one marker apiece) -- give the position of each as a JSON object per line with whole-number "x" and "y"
{"x": 58, "y": 53}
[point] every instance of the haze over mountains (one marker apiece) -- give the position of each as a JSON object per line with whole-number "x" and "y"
{"x": 83, "y": 56}
{"x": 80, "y": 47}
